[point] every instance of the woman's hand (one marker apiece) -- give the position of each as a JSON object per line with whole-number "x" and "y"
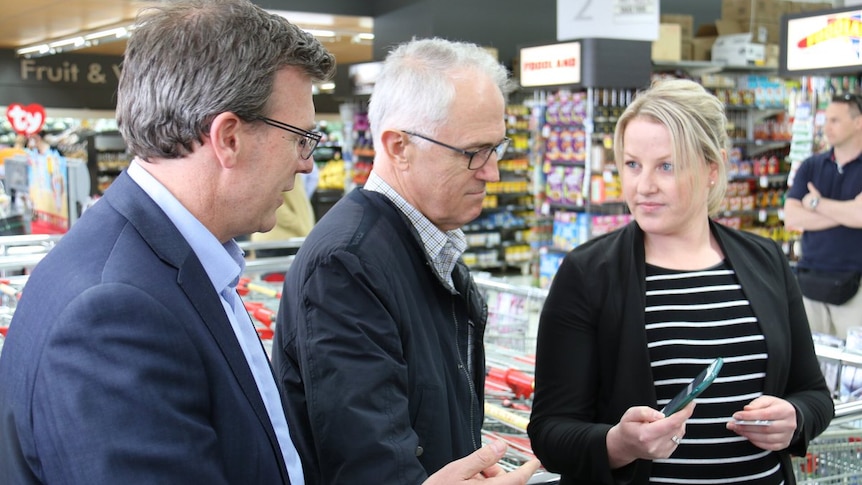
{"x": 644, "y": 433}
{"x": 777, "y": 434}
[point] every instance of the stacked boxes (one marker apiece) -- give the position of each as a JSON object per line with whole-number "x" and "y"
{"x": 668, "y": 46}
{"x": 760, "y": 17}
{"x": 686, "y": 32}
{"x": 701, "y": 44}
{"x": 763, "y": 17}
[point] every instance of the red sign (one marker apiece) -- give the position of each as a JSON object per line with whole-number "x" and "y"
{"x": 26, "y": 120}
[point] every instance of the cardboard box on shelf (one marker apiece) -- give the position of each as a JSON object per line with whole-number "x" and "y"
{"x": 685, "y": 22}
{"x": 762, "y": 32}
{"x": 808, "y": 6}
{"x": 701, "y": 44}
{"x": 687, "y": 51}
{"x": 668, "y": 46}
{"x": 748, "y": 10}
{"x": 772, "y": 53}
{"x": 738, "y": 50}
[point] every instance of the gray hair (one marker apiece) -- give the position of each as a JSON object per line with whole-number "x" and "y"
{"x": 415, "y": 89}
{"x": 697, "y": 124}
{"x": 190, "y": 60}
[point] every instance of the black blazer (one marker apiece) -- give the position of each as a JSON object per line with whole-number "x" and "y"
{"x": 592, "y": 362}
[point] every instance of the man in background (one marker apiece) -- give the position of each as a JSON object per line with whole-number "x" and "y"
{"x": 293, "y": 219}
{"x": 825, "y": 201}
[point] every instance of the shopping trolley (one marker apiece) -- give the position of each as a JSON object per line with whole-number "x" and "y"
{"x": 513, "y": 313}
{"x": 834, "y": 457}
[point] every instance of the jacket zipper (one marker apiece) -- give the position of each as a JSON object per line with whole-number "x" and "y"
{"x": 466, "y": 371}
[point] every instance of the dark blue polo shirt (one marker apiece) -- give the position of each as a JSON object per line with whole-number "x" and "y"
{"x": 839, "y": 248}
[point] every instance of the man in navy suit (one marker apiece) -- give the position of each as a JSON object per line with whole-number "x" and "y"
{"x": 130, "y": 358}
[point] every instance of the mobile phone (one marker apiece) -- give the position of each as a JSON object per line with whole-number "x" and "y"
{"x": 694, "y": 388}
{"x": 753, "y": 422}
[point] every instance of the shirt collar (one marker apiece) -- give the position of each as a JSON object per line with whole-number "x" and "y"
{"x": 223, "y": 263}
{"x": 433, "y": 239}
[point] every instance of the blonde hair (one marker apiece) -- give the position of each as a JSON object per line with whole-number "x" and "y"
{"x": 697, "y": 124}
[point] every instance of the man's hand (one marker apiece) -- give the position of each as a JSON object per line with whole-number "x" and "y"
{"x": 812, "y": 195}
{"x": 481, "y": 467}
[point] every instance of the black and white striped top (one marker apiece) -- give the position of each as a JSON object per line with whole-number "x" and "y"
{"x": 693, "y": 317}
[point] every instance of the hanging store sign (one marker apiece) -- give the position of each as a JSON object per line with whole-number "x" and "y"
{"x": 26, "y": 120}
{"x": 825, "y": 43}
{"x": 59, "y": 81}
{"x": 551, "y": 65}
{"x": 608, "y": 19}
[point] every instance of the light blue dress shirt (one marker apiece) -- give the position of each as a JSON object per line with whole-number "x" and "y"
{"x": 224, "y": 263}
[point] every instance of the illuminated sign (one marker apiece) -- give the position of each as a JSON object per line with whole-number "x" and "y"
{"x": 551, "y": 65}
{"x": 26, "y": 120}
{"x": 827, "y": 42}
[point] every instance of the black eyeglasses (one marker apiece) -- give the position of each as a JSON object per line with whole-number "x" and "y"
{"x": 480, "y": 156}
{"x": 849, "y": 98}
{"x": 306, "y": 144}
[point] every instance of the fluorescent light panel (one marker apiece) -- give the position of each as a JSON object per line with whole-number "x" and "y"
{"x": 320, "y": 33}
{"x": 77, "y": 41}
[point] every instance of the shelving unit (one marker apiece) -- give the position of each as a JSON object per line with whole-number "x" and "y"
{"x": 580, "y": 189}
{"x": 500, "y": 237}
{"x": 760, "y": 133}
{"x": 107, "y": 157}
{"x": 330, "y": 181}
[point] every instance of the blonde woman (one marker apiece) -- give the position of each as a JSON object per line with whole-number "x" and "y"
{"x": 634, "y": 315}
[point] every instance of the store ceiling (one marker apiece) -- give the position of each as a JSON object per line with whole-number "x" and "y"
{"x": 27, "y": 22}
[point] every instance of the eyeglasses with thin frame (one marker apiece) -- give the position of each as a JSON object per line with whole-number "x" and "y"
{"x": 306, "y": 144}
{"x": 480, "y": 156}
{"x": 849, "y": 98}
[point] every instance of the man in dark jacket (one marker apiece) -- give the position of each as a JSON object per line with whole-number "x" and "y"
{"x": 378, "y": 345}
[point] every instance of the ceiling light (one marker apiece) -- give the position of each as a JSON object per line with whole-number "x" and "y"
{"x": 74, "y": 41}
{"x": 320, "y": 33}
{"x": 36, "y": 49}
{"x": 322, "y": 88}
{"x": 79, "y": 41}
{"x": 119, "y": 33}
{"x": 303, "y": 18}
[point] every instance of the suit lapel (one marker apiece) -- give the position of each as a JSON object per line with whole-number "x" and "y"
{"x": 166, "y": 241}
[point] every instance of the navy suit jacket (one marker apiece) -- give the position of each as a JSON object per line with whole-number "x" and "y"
{"x": 121, "y": 366}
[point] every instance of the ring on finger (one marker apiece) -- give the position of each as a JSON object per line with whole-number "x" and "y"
{"x": 676, "y": 439}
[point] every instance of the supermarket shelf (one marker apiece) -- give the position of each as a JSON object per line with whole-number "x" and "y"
{"x": 508, "y": 208}
{"x": 699, "y": 68}
{"x": 471, "y": 228}
{"x": 836, "y": 353}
